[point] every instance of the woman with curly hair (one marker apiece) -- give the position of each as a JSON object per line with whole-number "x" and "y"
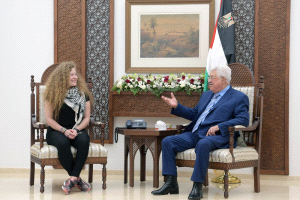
{"x": 67, "y": 110}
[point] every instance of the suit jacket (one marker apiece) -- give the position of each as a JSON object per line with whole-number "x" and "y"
{"x": 230, "y": 110}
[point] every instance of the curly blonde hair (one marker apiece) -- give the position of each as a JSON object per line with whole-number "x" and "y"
{"x": 57, "y": 86}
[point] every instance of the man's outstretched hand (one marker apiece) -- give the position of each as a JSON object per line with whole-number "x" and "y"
{"x": 170, "y": 101}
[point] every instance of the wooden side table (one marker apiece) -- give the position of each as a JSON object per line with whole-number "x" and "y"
{"x": 143, "y": 139}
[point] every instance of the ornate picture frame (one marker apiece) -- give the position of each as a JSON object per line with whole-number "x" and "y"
{"x": 168, "y": 36}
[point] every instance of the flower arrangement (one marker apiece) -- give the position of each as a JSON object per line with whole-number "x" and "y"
{"x": 158, "y": 84}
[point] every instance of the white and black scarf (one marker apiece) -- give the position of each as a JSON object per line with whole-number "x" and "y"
{"x": 76, "y": 101}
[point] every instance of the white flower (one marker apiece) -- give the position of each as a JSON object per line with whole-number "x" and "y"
{"x": 119, "y": 84}
{"x": 130, "y": 86}
{"x": 182, "y": 84}
{"x": 151, "y": 78}
{"x": 159, "y": 77}
{"x": 196, "y": 82}
{"x": 172, "y": 77}
{"x": 193, "y": 86}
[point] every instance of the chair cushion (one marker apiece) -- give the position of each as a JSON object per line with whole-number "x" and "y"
{"x": 49, "y": 151}
{"x": 249, "y": 91}
{"x": 222, "y": 155}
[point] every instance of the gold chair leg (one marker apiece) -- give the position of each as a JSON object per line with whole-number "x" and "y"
{"x": 220, "y": 179}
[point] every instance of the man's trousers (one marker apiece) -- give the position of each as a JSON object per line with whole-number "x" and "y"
{"x": 177, "y": 143}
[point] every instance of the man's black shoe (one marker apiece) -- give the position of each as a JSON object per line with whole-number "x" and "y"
{"x": 196, "y": 192}
{"x": 170, "y": 186}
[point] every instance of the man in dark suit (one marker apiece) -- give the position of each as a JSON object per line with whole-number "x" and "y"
{"x": 220, "y": 107}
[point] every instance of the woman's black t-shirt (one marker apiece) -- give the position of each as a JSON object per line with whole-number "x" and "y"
{"x": 67, "y": 116}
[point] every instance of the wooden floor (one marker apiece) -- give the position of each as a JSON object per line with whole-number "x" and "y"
{"x": 14, "y": 184}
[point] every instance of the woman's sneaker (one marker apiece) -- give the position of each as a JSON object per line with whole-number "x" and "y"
{"x": 83, "y": 186}
{"x": 68, "y": 184}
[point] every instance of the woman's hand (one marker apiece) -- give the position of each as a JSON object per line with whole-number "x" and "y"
{"x": 71, "y": 134}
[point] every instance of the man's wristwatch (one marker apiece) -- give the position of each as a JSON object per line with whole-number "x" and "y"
{"x": 76, "y": 130}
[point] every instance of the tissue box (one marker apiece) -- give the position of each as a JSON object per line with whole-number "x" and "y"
{"x": 160, "y": 127}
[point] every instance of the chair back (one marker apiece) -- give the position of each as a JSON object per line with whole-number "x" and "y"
{"x": 38, "y": 106}
{"x": 242, "y": 79}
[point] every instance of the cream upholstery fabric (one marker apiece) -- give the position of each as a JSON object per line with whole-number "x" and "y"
{"x": 222, "y": 155}
{"x": 42, "y": 105}
{"x": 49, "y": 151}
{"x": 249, "y": 91}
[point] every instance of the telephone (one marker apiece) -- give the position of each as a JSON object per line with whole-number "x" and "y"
{"x": 134, "y": 124}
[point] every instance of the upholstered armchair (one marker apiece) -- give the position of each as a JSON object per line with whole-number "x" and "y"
{"x": 247, "y": 153}
{"x": 43, "y": 154}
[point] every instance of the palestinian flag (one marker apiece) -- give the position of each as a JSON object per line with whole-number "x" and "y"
{"x": 222, "y": 48}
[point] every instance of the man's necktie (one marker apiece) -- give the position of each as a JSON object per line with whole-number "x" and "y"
{"x": 206, "y": 111}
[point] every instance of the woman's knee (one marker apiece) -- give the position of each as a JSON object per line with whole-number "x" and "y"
{"x": 62, "y": 144}
{"x": 84, "y": 139}
{"x": 58, "y": 140}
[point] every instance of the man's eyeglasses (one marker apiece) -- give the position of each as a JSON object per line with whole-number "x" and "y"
{"x": 211, "y": 77}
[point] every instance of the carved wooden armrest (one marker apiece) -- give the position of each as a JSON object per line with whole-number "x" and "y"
{"x": 99, "y": 124}
{"x": 181, "y": 127}
{"x": 37, "y": 125}
{"x": 251, "y": 128}
{"x": 95, "y": 123}
{"x": 40, "y": 126}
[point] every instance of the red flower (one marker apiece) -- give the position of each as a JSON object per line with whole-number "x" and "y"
{"x": 202, "y": 81}
{"x": 127, "y": 81}
{"x": 148, "y": 81}
{"x": 183, "y": 77}
{"x": 192, "y": 81}
{"x": 166, "y": 79}
{"x": 139, "y": 79}
{"x": 178, "y": 80}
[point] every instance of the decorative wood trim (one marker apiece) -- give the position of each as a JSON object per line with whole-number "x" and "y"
{"x": 272, "y": 172}
{"x": 111, "y": 72}
{"x": 147, "y": 104}
{"x": 69, "y": 33}
{"x": 271, "y": 60}
{"x": 70, "y": 39}
{"x": 287, "y": 69}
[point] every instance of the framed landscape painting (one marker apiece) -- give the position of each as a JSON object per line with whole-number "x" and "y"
{"x": 168, "y": 36}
